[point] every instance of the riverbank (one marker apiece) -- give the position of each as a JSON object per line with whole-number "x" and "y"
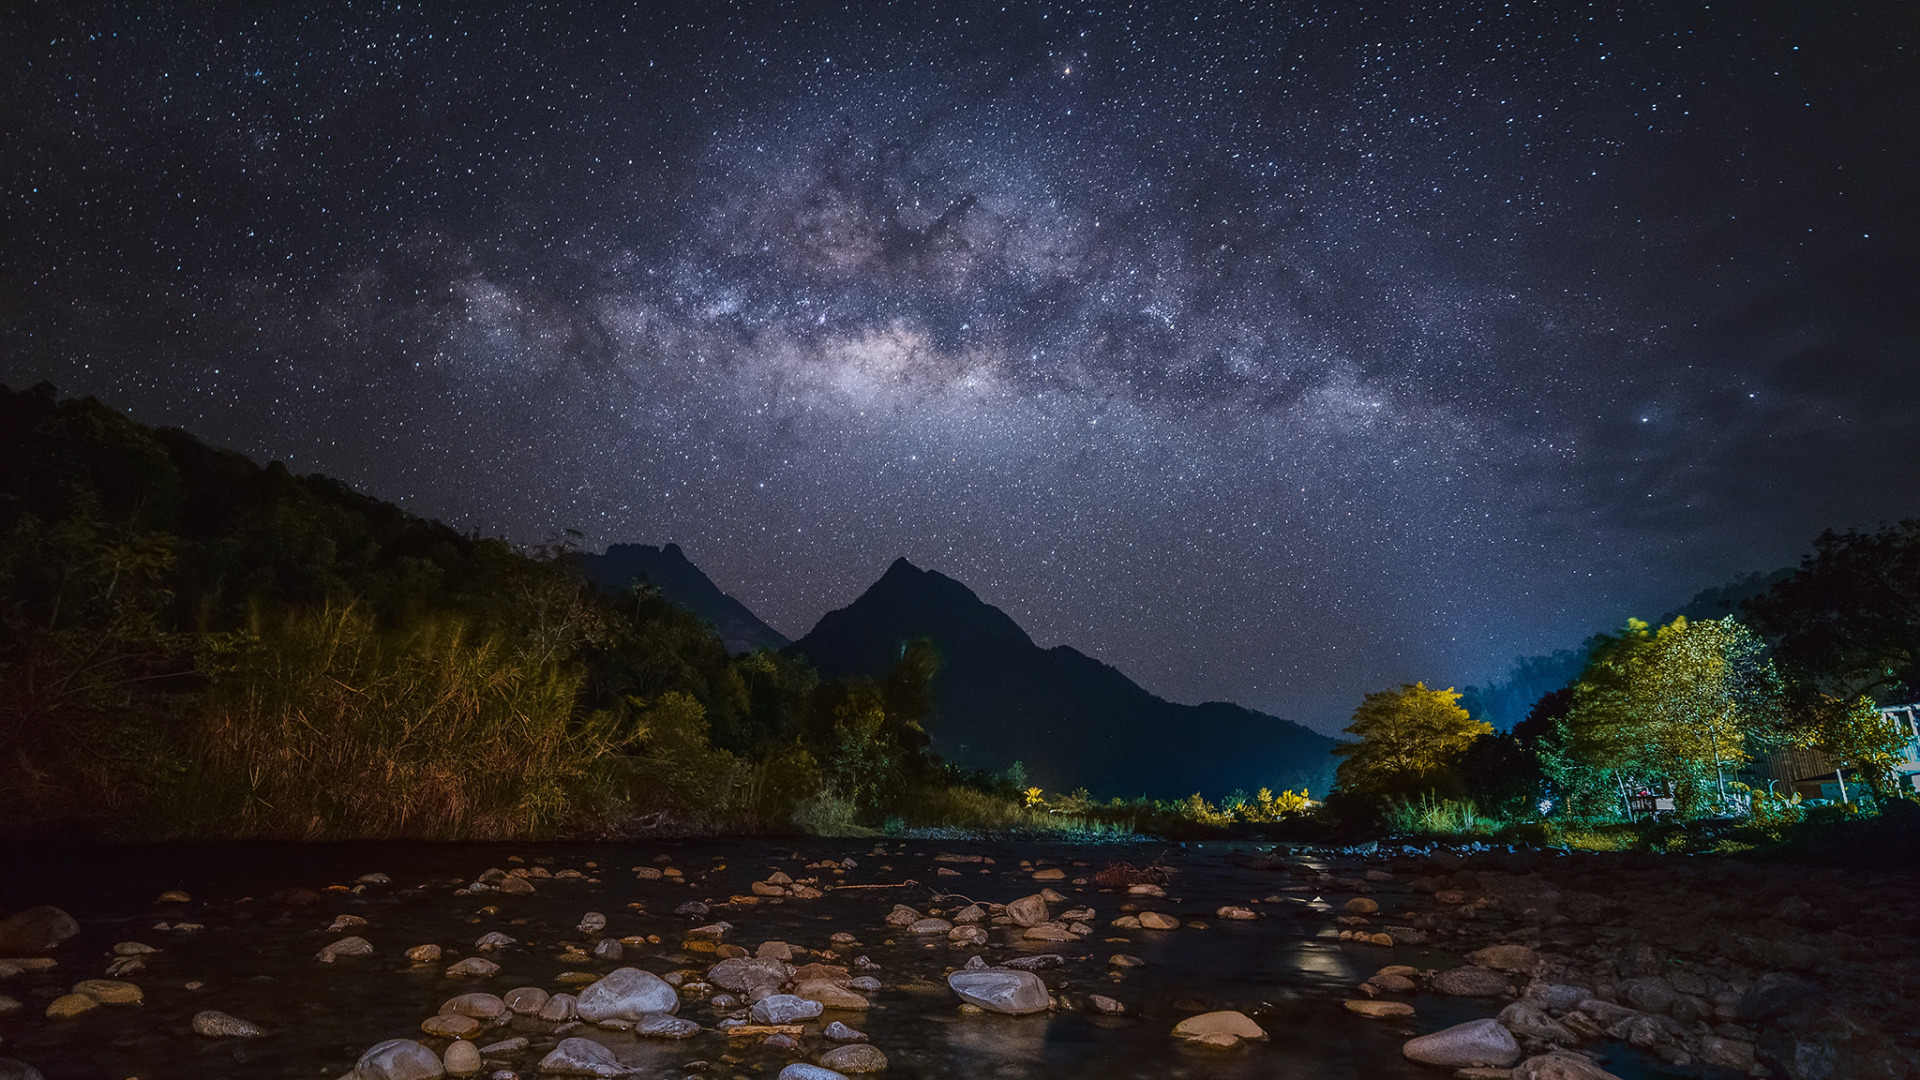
{"x": 1660, "y": 966}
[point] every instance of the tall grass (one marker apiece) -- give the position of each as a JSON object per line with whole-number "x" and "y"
{"x": 1429, "y": 815}
{"x": 325, "y": 726}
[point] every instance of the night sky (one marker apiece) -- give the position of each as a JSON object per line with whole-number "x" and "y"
{"x": 1271, "y": 356}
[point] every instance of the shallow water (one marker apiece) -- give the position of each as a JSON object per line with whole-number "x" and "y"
{"x": 255, "y": 958}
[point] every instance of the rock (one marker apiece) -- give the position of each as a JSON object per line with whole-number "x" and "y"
{"x": 1560, "y": 1065}
{"x": 609, "y": 950}
{"x": 68, "y": 1006}
{"x": 173, "y": 896}
{"x": 972, "y": 913}
{"x": 525, "y": 1000}
{"x": 424, "y": 954}
{"x": 1145, "y": 888}
{"x": 582, "y": 1057}
{"x": 1380, "y": 1010}
{"x": 1208, "y": 1028}
{"x": 929, "y": 926}
{"x": 1477, "y": 1042}
{"x": 831, "y": 994}
{"x": 592, "y": 922}
{"x": 1361, "y": 905}
{"x": 505, "y": 1047}
{"x": 1048, "y": 931}
{"x": 36, "y": 930}
{"x": 1123, "y": 960}
{"x": 1027, "y": 911}
{"x": 345, "y": 922}
{"x": 627, "y": 994}
{"x": 110, "y": 991}
{"x": 785, "y": 1009}
{"x": 516, "y": 886}
{"x": 559, "y": 1009}
{"x": 800, "y": 1070}
{"x": 398, "y": 1059}
{"x": 219, "y": 1025}
{"x": 1726, "y": 1053}
{"x": 1036, "y": 962}
{"x": 1231, "y": 912}
{"x": 1000, "y": 990}
{"x": 1393, "y": 984}
{"x": 461, "y": 1058}
{"x": 1106, "y": 1005}
{"x": 375, "y": 878}
{"x": 903, "y": 916}
{"x": 18, "y": 1070}
{"x": 1556, "y": 995}
{"x": 1530, "y": 1021}
{"x": 774, "y": 950}
{"x": 1050, "y": 874}
{"x": 666, "y": 1027}
{"x": 494, "y": 939}
{"x": 473, "y": 967}
{"x": 346, "y": 946}
{"x": 840, "y": 1032}
{"x": 8, "y": 1004}
{"x": 1774, "y": 995}
{"x": 1469, "y": 981}
{"x": 450, "y": 1026}
{"x": 479, "y": 1006}
{"x": 1516, "y": 959}
{"x": 1648, "y": 993}
{"x": 743, "y": 974}
{"x": 967, "y": 935}
{"x": 1125, "y": 922}
{"x": 133, "y": 948}
{"x": 1155, "y": 920}
{"x": 855, "y": 1058}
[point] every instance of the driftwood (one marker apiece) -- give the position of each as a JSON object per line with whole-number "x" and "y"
{"x": 748, "y": 1030}
{"x": 901, "y": 885}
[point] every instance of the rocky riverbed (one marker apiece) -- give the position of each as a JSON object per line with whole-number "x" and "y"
{"x": 807, "y": 961}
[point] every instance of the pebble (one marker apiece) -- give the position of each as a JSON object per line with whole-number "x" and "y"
{"x": 1154, "y": 920}
{"x": 424, "y": 954}
{"x": 1104, "y": 1004}
{"x": 68, "y": 1006}
{"x": 839, "y": 1032}
{"x": 133, "y": 948}
{"x": 450, "y": 1026}
{"x": 346, "y": 946}
{"x": 398, "y": 1059}
{"x": 1225, "y": 1028}
{"x": 218, "y": 1025}
{"x": 477, "y": 1005}
{"x": 461, "y": 1058}
{"x": 855, "y": 1058}
{"x": 1232, "y": 912}
{"x": 785, "y": 1009}
{"x": 592, "y": 922}
{"x": 1380, "y": 1010}
{"x": 1361, "y": 905}
{"x": 581, "y": 1057}
{"x": 473, "y": 967}
{"x": 505, "y": 1047}
{"x": 800, "y": 1070}
{"x": 1476, "y": 1042}
{"x": 526, "y": 1000}
{"x": 110, "y": 991}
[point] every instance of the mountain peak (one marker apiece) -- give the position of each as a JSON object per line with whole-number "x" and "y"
{"x": 901, "y": 568}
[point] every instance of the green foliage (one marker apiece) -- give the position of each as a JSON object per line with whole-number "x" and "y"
{"x": 1407, "y": 740}
{"x": 1853, "y": 734}
{"x": 1848, "y": 620}
{"x": 1677, "y": 709}
{"x": 1428, "y": 815}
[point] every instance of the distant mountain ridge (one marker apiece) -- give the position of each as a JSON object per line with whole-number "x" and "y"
{"x": 679, "y": 580}
{"x": 1070, "y": 719}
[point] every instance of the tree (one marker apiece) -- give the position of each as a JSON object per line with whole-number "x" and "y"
{"x": 1848, "y": 620}
{"x": 1678, "y": 707}
{"x": 1854, "y": 735}
{"x": 1407, "y": 740}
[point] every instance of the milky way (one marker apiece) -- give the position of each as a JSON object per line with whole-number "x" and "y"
{"x": 1272, "y": 356}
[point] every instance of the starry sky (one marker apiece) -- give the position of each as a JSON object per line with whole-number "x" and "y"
{"x": 1272, "y": 353}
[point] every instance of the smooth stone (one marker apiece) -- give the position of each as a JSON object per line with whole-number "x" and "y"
{"x": 1393, "y": 984}
{"x": 1123, "y": 960}
{"x": 68, "y": 1006}
{"x": 516, "y": 886}
{"x": 218, "y": 1025}
{"x": 967, "y": 935}
{"x": 525, "y": 1000}
{"x": 742, "y": 974}
{"x": 398, "y": 1059}
{"x": 1028, "y": 911}
{"x": 839, "y": 1032}
{"x": 477, "y": 1005}
{"x": 1036, "y": 962}
{"x": 1051, "y": 874}
{"x": 800, "y": 1070}
{"x": 1379, "y": 1010}
{"x": 473, "y": 967}
{"x": 865, "y": 984}
{"x": 1530, "y": 1021}
{"x": 1514, "y": 959}
{"x": 174, "y": 896}
{"x": 1476, "y": 1042}
{"x": 1556, "y": 995}
{"x": 110, "y": 991}
{"x": 1155, "y": 920}
{"x": 1014, "y": 993}
{"x": 346, "y": 946}
{"x": 461, "y": 1058}
{"x": 1560, "y": 1065}
{"x": 831, "y": 994}
{"x": 346, "y": 922}
{"x": 450, "y": 1026}
{"x": 1361, "y": 905}
{"x": 582, "y": 1057}
{"x": 1225, "y": 1022}
{"x": 1104, "y": 1004}
{"x": 8, "y": 1004}
{"x": 785, "y": 1009}
{"x": 855, "y": 1058}
{"x": 1237, "y": 913}
{"x": 1469, "y": 981}
{"x": 494, "y": 939}
{"x": 592, "y": 922}
{"x": 35, "y": 930}
{"x": 929, "y": 926}
{"x": 1048, "y": 931}
{"x": 666, "y": 1027}
{"x": 559, "y": 1009}
{"x": 373, "y": 879}
{"x": 505, "y": 1047}
{"x": 626, "y": 994}
{"x": 424, "y": 954}
{"x": 133, "y": 948}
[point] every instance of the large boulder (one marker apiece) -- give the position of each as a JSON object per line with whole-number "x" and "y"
{"x": 398, "y": 1059}
{"x": 35, "y": 931}
{"x": 626, "y": 994}
{"x": 1476, "y": 1043}
{"x": 1000, "y": 990}
{"x": 582, "y": 1057}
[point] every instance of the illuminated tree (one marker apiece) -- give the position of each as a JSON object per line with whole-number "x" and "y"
{"x": 1679, "y": 707}
{"x": 1854, "y": 735}
{"x": 1407, "y": 739}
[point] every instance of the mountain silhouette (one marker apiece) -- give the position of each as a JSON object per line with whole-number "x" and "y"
{"x": 1070, "y": 719}
{"x": 669, "y": 570}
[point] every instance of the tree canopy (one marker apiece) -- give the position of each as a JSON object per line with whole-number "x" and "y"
{"x": 1405, "y": 740}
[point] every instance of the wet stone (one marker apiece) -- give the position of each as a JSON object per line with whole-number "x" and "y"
{"x": 855, "y": 1058}
{"x": 581, "y": 1057}
{"x": 218, "y": 1025}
